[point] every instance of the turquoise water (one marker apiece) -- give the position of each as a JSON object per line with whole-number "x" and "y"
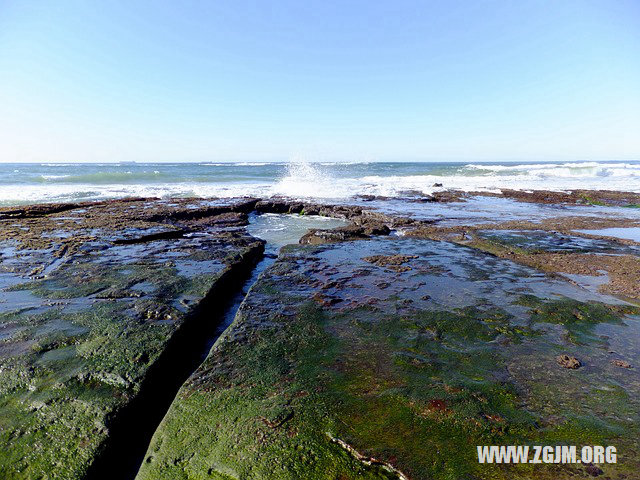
{"x": 29, "y": 183}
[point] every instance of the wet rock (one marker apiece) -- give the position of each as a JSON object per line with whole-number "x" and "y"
{"x": 453, "y": 354}
{"x": 163, "y": 235}
{"x": 392, "y": 262}
{"x": 326, "y": 300}
{"x": 448, "y": 196}
{"x": 593, "y": 470}
{"x": 568, "y": 361}
{"x": 576, "y": 197}
{"x": 621, "y": 363}
{"x": 34, "y": 211}
{"x": 193, "y": 211}
{"x": 376, "y": 229}
{"x": 558, "y": 249}
{"x": 365, "y": 216}
{"x": 424, "y": 199}
{"x": 370, "y": 198}
{"x": 459, "y": 370}
{"x": 274, "y": 206}
{"x": 224, "y": 219}
{"x": 342, "y": 234}
{"x": 100, "y": 316}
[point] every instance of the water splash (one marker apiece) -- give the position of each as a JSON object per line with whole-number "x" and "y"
{"x": 303, "y": 179}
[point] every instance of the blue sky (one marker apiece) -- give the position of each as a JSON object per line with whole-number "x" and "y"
{"x": 360, "y": 80}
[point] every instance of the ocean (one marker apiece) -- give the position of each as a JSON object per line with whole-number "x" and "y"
{"x": 63, "y": 182}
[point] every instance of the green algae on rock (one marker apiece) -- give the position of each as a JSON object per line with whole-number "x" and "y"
{"x": 86, "y": 316}
{"x": 337, "y": 367}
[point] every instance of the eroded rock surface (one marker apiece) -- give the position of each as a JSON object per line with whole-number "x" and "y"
{"x": 92, "y": 296}
{"x": 337, "y": 366}
{"x": 387, "y": 348}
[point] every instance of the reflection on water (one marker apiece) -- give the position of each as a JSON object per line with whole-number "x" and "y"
{"x": 476, "y": 210}
{"x": 628, "y": 233}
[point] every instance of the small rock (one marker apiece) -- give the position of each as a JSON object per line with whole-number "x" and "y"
{"x": 326, "y": 300}
{"x": 390, "y": 261}
{"x": 376, "y": 229}
{"x": 594, "y": 470}
{"x": 341, "y": 234}
{"x": 568, "y": 361}
{"x": 438, "y": 405}
{"x": 621, "y": 363}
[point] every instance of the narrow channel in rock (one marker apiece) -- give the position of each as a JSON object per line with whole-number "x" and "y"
{"x": 136, "y": 424}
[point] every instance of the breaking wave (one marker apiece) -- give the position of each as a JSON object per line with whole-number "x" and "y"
{"x": 104, "y": 177}
{"x": 27, "y": 183}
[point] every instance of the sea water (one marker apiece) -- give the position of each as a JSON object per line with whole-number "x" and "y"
{"x": 63, "y": 182}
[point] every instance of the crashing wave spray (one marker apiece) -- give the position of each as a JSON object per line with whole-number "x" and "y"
{"x": 304, "y": 179}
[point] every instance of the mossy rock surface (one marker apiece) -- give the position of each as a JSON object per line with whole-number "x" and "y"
{"x": 84, "y": 316}
{"x": 338, "y": 368}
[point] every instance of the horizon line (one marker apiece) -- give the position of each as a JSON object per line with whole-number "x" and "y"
{"x": 274, "y": 161}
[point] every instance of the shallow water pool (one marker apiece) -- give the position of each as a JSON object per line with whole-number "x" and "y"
{"x": 279, "y": 230}
{"x": 627, "y": 233}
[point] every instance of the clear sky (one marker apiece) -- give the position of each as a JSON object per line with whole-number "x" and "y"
{"x": 354, "y": 80}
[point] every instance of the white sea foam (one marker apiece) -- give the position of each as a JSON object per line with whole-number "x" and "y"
{"x": 239, "y": 164}
{"x": 18, "y": 194}
{"x": 305, "y": 180}
{"x": 391, "y": 186}
{"x": 252, "y": 164}
{"x": 308, "y": 180}
{"x": 346, "y": 163}
{"x": 53, "y": 177}
{"x": 563, "y": 170}
{"x": 315, "y": 180}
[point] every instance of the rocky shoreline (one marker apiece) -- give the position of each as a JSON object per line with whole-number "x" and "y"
{"x": 388, "y": 348}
